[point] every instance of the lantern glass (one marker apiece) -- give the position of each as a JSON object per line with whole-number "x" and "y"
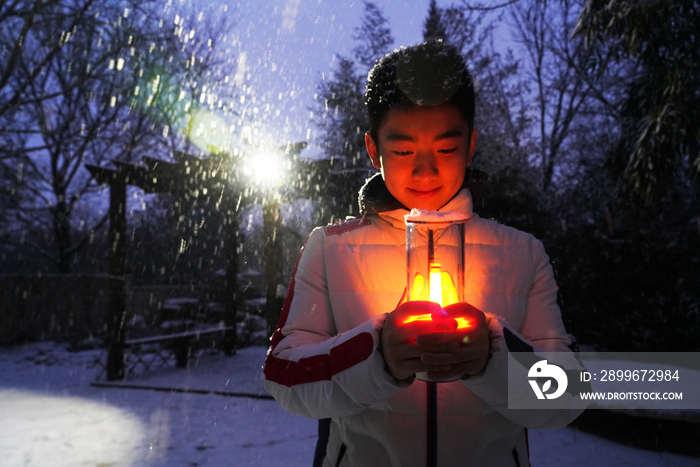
{"x": 435, "y": 261}
{"x": 435, "y": 264}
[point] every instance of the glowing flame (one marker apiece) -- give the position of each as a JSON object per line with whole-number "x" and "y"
{"x": 435, "y": 283}
{"x": 441, "y": 291}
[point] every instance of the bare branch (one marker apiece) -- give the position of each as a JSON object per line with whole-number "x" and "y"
{"x": 481, "y": 7}
{"x": 12, "y": 102}
{"x": 17, "y": 50}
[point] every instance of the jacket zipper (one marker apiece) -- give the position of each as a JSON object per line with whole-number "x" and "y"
{"x": 341, "y": 453}
{"x": 516, "y": 458}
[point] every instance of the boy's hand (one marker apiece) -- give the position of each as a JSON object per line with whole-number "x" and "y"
{"x": 402, "y": 355}
{"x": 466, "y": 351}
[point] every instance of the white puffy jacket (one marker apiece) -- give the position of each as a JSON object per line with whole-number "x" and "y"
{"x": 324, "y": 360}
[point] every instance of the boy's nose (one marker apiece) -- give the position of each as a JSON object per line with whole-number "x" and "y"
{"x": 425, "y": 166}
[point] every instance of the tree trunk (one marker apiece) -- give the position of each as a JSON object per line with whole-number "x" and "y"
{"x": 230, "y": 341}
{"x": 61, "y": 223}
{"x": 114, "y": 336}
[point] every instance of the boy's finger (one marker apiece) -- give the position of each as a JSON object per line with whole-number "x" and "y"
{"x": 440, "y": 358}
{"x": 416, "y": 308}
{"x": 475, "y": 316}
{"x": 450, "y": 347}
{"x": 439, "y": 338}
{"x": 417, "y": 366}
{"x": 407, "y": 351}
{"x": 409, "y": 331}
{"x": 406, "y": 332}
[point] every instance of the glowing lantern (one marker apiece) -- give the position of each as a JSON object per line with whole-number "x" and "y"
{"x": 435, "y": 266}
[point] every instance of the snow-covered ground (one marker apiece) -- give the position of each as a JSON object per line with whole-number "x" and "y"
{"x": 50, "y": 415}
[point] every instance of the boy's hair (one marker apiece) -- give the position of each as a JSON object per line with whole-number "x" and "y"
{"x": 430, "y": 73}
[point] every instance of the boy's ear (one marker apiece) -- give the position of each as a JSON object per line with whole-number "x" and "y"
{"x": 472, "y": 146}
{"x": 372, "y": 151}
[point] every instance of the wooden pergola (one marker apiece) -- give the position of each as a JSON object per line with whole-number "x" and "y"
{"x": 188, "y": 177}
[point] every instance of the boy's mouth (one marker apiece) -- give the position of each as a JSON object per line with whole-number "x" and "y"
{"x": 424, "y": 193}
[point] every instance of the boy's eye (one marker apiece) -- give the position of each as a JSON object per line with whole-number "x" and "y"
{"x": 402, "y": 153}
{"x": 447, "y": 151}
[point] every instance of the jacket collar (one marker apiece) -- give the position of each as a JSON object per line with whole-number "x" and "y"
{"x": 462, "y": 202}
{"x": 375, "y": 198}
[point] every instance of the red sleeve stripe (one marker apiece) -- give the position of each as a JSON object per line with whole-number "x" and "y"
{"x": 320, "y": 367}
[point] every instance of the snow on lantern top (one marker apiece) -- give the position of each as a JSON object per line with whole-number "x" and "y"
{"x": 422, "y": 215}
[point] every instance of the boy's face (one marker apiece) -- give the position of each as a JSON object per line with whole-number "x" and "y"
{"x": 423, "y": 154}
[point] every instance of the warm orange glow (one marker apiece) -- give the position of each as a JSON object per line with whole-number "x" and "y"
{"x": 442, "y": 291}
{"x": 462, "y": 323}
{"x": 413, "y": 318}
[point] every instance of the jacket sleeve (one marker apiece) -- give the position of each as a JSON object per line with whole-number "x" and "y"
{"x": 313, "y": 371}
{"x": 541, "y": 331}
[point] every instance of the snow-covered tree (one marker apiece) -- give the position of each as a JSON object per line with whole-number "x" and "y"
{"x": 434, "y": 27}
{"x": 373, "y": 37}
{"x": 340, "y": 116}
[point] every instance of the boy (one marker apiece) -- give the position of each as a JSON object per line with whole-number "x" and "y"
{"x": 341, "y": 350}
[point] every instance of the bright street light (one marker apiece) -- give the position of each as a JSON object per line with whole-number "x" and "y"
{"x": 266, "y": 168}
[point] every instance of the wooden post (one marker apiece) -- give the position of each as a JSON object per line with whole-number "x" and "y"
{"x": 230, "y": 340}
{"x": 272, "y": 237}
{"x": 116, "y": 311}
